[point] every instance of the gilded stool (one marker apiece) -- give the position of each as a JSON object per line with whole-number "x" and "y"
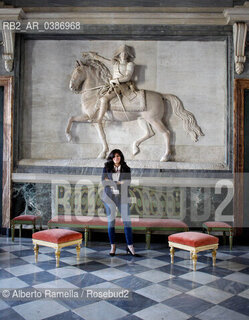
{"x": 57, "y": 239}
{"x": 216, "y": 226}
{"x": 193, "y": 242}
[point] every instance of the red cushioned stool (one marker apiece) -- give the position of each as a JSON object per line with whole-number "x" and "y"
{"x": 193, "y": 242}
{"x": 57, "y": 239}
{"x": 216, "y": 226}
{"x": 25, "y": 219}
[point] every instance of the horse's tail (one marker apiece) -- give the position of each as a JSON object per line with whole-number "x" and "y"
{"x": 189, "y": 122}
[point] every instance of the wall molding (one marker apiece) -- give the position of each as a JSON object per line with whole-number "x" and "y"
{"x": 7, "y": 83}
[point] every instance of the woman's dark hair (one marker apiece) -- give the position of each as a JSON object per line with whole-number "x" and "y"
{"x": 110, "y": 164}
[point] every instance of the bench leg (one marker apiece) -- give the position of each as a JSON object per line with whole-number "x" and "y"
{"x": 172, "y": 252}
{"x": 194, "y": 258}
{"x": 57, "y": 257}
{"x": 86, "y": 236}
{"x": 231, "y": 240}
{"x": 148, "y": 238}
{"x": 36, "y": 249}
{"x": 78, "y": 251}
{"x": 224, "y": 238}
{"x": 20, "y": 231}
{"x": 214, "y": 257}
{"x": 13, "y": 231}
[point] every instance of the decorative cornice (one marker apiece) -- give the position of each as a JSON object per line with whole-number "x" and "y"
{"x": 122, "y": 15}
{"x": 11, "y": 14}
{"x": 237, "y": 14}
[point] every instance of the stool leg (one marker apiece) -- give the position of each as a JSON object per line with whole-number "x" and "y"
{"x": 172, "y": 252}
{"x": 20, "y": 231}
{"x": 78, "y": 251}
{"x": 36, "y": 249}
{"x": 190, "y": 254}
{"x": 194, "y": 258}
{"x": 214, "y": 257}
{"x": 89, "y": 235}
{"x": 86, "y": 236}
{"x": 231, "y": 239}
{"x": 33, "y": 229}
{"x": 57, "y": 257}
{"x": 13, "y": 231}
{"x": 148, "y": 239}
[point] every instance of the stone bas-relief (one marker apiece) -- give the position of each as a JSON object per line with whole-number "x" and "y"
{"x": 194, "y": 71}
{"x": 103, "y": 91}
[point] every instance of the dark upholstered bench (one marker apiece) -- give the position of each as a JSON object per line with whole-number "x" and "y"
{"x": 216, "y": 226}
{"x": 25, "y": 220}
{"x": 57, "y": 239}
{"x": 147, "y": 225}
{"x": 193, "y": 242}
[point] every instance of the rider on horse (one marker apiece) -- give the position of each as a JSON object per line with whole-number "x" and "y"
{"x": 120, "y": 84}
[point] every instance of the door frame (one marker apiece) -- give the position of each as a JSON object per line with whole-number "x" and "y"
{"x": 240, "y": 85}
{"x": 7, "y": 82}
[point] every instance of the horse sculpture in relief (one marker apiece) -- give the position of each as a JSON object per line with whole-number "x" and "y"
{"x": 93, "y": 80}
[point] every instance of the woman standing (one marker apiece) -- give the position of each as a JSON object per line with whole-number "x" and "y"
{"x": 116, "y": 178}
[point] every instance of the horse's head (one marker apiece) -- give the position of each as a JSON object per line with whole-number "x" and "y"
{"x": 78, "y": 77}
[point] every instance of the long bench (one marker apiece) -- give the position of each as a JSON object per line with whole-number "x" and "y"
{"x": 148, "y": 225}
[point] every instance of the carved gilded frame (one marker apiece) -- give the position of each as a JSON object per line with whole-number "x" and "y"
{"x": 7, "y": 83}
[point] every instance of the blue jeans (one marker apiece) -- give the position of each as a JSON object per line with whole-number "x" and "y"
{"x": 123, "y": 208}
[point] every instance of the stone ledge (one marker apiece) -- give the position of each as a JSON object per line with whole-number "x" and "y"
{"x": 136, "y": 181}
{"x": 99, "y": 163}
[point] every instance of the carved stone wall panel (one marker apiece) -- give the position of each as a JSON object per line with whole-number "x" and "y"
{"x": 193, "y": 70}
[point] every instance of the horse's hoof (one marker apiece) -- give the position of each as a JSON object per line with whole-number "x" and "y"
{"x": 136, "y": 150}
{"x": 165, "y": 158}
{"x": 69, "y": 137}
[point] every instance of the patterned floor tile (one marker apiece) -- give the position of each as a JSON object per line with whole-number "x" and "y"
{"x": 231, "y": 265}
{"x": 11, "y": 314}
{"x": 188, "y": 304}
{"x": 110, "y": 274}
{"x": 154, "y": 276}
{"x": 210, "y": 294}
{"x": 152, "y": 263}
{"x": 160, "y": 311}
{"x": 132, "y": 283}
{"x": 39, "y": 309}
{"x": 157, "y": 292}
{"x": 238, "y": 304}
{"x": 239, "y": 277}
{"x": 228, "y": 286}
{"x": 69, "y": 315}
{"x": 100, "y": 310}
{"x": 221, "y": 313}
{"x": 13, "y": 282}
{"x": 136, "y": 303}
{"x": 66, "y": 272}
{"x": 180, "y": 284}
{"x": 24, "y": 269}
{"x": 33, "y": 279}
{"x": 244, "y": 294}
{"x": 199, "y": 277}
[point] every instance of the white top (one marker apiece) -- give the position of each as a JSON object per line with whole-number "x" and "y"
{"x": 116, "y": 174}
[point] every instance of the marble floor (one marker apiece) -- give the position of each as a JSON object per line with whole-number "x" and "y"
{"x": 150, "y": 287}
